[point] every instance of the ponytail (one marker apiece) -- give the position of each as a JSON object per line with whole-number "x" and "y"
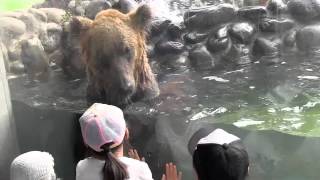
{"x": 113, "y": 169}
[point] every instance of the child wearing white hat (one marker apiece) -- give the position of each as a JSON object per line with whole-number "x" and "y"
{"x": 33, "y": 165}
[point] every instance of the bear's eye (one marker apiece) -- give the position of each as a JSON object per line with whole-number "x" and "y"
{"x": 127, "y": 53}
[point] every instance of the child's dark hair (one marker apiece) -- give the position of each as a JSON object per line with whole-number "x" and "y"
{"x": 221, "y": 162}
{"x": 113, "y": 169}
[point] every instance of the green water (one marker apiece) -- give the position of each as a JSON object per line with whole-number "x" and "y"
{"x": 10, "y": 5}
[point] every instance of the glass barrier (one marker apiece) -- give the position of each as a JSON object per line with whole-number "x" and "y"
{"x": 247, "y": 66}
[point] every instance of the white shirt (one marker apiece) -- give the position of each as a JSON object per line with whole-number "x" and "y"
{"x": 92, "y": 169}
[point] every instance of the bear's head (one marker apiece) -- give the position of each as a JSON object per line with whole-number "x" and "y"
{"x": 113, "y": 46}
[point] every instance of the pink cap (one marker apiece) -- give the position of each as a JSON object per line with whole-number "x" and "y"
{"x": 101, "y": 124}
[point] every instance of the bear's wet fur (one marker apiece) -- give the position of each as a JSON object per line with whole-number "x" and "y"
{"x": 114, "y": 49}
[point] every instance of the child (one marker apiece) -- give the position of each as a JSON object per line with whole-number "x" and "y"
{"x": 220, "y": 156}
{"x": 103, "y": 130}
{"x": 33, "y": 165}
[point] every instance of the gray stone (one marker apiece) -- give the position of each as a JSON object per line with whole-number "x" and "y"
{"x": 264, "y": 47}
{"x": 96, "y": 6}
{"x": 51, "y": 40}
{"x": 126, "y": 6}
{"x": 219, "y": 41}
{"x": 169, "y": 47}
{"x": 54, "y": 15}
{"x": 200, "y": 58}
{"x": 304, "y": 10}
{"x": 40, "y": 15}
{"x": 17, "y": 67}
{"x": 175, "y": 31}
{"x": 11, "y": 28}
{"x": 32, "y": 23}
{"x": 238, "y": 54}
{"x": 159, "y": 26}
{"x": 34, "y": 59}
{"x": 277, "y": 7}
{"x": 308, "y": 38}
{"x": 195, "y": 37}
{"x": 252, "y": 13}
{"x": 242, "y": 33}
{"x": 275, "y": 25}
{"x": 14, "y": 50}
{"x": 206, "y": 17}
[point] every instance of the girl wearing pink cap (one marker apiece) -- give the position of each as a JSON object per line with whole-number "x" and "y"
{"x": 104, "y": 130}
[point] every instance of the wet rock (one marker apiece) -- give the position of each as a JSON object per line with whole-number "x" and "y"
{"x": 17, "y": 67}
{"x": 195, "y": 37}
{"x": 39, "y": 15}
{"x": 34, "y": 59}
{"x": 308, "y": 38}
{"x": 289, "y": 39}
{"x": 304, "y": 10}
{"x": 238, "y": 54}
{"x": 72, "y": 62}
{"x": 32, "y": 24}
{"x": 275, "y": 25}
{"x": 14, "y": 50}
{"x": 242, "y": 32}
{"x": 175, "y": 31}
{"x": 96, "y": 6}
{"x": 159, "y": 26}
{"x": 252, "y": 13}
{"x": 51, "y": 40}
{"x": 126, "y": 6}
{"x": 219, "y": 41}
{"x": 276, "y": 7}
{"x": 288, "y": 44}
{"x": 78, "y": 9}
{"x": 11, "y": 28}
{"x": 169, "y": 47}
{"x": 264, "y": 47}
{"x": 206, "y": 17}
{"x": 54, "y": 15}
{"x": 200, "y": 58}
{"x": 13, "y": 14}
{"x": 56, "y": 57}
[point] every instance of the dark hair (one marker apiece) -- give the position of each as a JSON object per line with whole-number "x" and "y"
{"x": 221, "y": 162}
{"x": 113, "y": 169}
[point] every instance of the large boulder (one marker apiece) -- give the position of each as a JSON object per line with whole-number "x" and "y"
{"x": 264, "y": 47}
{"x": 200, "y": 58}
{"x": 206, "y": 17}
{"x": 308, "y": 38}
{"x": 194, "y": 37}
{"x": 242, "y": 33}
{"x": 38, "y": 14}
{"x": 54, "y": 15}
{"x": 252, "y": 13}
{"x": 276, "y": 7}
{"x": 304, "y": 10}
{"x": 276, "y": 25}
{"x": 34, "y": 59}
{"x": 169, "y": 47}
{"x": 96, "y": 6}
{"x": 219, "y": 41}
{"x": 52, "y": 37}
{"x": 32, "y": 23}
{"x": 11, "y": 28}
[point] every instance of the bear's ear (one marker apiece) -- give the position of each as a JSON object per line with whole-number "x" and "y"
{"x": 80, "y": 25}
{"x": 141, "y": 18}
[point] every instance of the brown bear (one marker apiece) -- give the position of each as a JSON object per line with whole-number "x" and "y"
{"x": 114, "y": 49}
